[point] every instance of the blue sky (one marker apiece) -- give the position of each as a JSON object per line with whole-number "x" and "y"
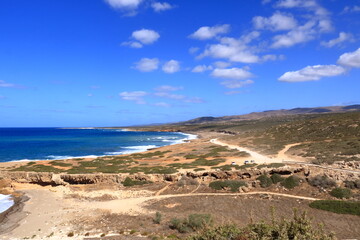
{"x": 127, "y": 62}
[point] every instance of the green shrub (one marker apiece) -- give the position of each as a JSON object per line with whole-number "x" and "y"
{"x": 199, "y": 221}
{"x": 300, "y": 227}
{"x": 341, "y": 193}
{"x": 193, "y": 222}
{"x": 275, "y": 178}
{"x": 322, "y": 181}
{"x": 265, "y": 181}
{"x": 158, "y": 217}
{"x": 291, "y": 182}
{"x": 337, "y": 206}
{"x": 232, "y": 184}
{"x": 128, "y": 182}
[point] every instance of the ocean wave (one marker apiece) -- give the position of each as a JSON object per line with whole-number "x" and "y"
{"x": 133, "y": 149}
{"x": 5, "y": 202}
{"x": 169, "y": 140}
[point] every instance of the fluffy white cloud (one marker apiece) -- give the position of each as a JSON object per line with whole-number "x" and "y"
{"x": 343, "y": 37}
{"x": 236, "y": 83}
{"x": 231, "y": 73}
{"x": 136, "y": 96}
{"x": 206, "y": 32}
{"x": 146, "y": 36}
{"x": 5, "y": 84}
{"x": 201, "y": 68}
{"x": 312, "y": 73}
{"x": 124, "y": 4}
{"x": 277, "y": 22}
{"x": 147, "y": 64}
{"x": 235, "y": 50}
{"x": 350, "y": 59}
{"x": 159, "y": 7}
{"x": 298, "y": 35}
{"x": 317, "y": 22}
{"x": 171, "y": 66}
{"x": 168, "y": 88}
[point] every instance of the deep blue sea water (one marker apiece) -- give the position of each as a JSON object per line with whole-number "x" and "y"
{"x": 53, "y": 143}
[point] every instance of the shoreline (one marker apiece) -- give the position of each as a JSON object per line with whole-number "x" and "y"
{"x": 190, "y": 136}
{"x": 10, "y": 219}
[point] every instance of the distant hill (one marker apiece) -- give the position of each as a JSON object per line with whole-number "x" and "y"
{"x": 274, "y": 113}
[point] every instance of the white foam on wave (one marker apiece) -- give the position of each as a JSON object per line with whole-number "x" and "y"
{"x": 5, "y": 202}
{"x": 133, "y": 149}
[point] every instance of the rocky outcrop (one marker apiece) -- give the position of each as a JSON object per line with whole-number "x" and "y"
{"x": 251, "y": 173}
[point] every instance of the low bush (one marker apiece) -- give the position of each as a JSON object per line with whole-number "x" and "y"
{"x": 128, "y": 182}
{"x": 291, "y": 182}
{"x": 193, "y": 222}
{"x": 322, "y": 181}
{"x": 232, "y": 184}
{"x": 337, "y": 206}
{"x": 185, "y": 181}
{"x": 275, "y": 178}
{"x": 158, "y": 217}
{"x": 300, "y": 227}
{"x": 265, "y": 181}
{"x": 341, "y": 193}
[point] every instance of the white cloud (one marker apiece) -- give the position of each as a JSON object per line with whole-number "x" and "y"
{"x": 168, "y": 88}
{"x": 235, "y": 50}
{"x": 317, "y": 22}
{"x": 343, "y": 37}
{"x": 221, "y": 64}
{"x": 231, "y": 73}
{"x": 142, "y": 37}
{"x": 272, "y": 57}
{"x": 206, "y": 32}
{"x": 170, "y": 95}
{"x": 147, "y": 64}
{"x": 312, "y": 73}
{"x": 201, "y": 68}
{"x": 236, "y": 83}
{"x": 132, "y": 44}
{"x": 193, "y": 50}
{"x": 124, "y": 4}
{"x": 5, "y": 84}
{"x": 277, "y": 22}
{"x": 162, "y": 104}
{"x": 159, "y": 7}
{"x": 194, "y": 100}
{"x": 146, "y": 36}
{"x": 350, "y": 59}
{"x": 351, "y": 9}
{"x": 298, "y": 35}
{"x": 136, "y": 96}
{"x": 232, "y": 92}
{"x": 171, "y": 66}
